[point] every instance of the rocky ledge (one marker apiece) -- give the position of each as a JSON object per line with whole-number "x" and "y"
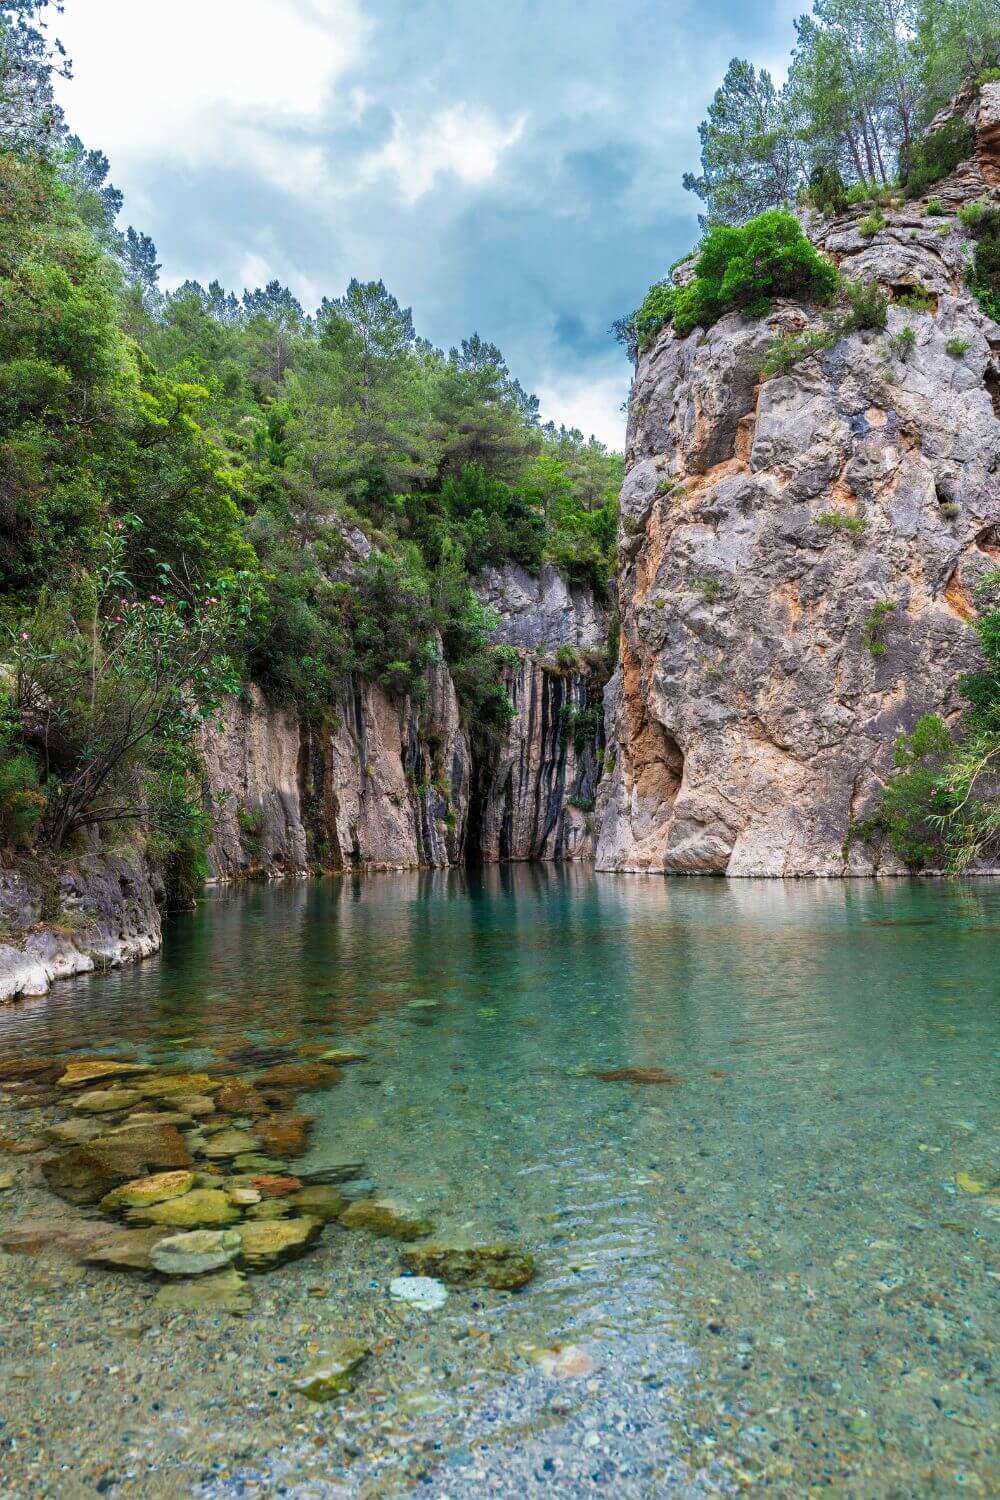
{"x": 95, "y": 913}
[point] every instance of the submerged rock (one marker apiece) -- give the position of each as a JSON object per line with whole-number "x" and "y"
{"x": 275, "y": 1184}
{"x": 84, "y": 1174}
{"x": 501, "y": 1266}
{"x": 74, "y": 1132}
{"x": 228, "y": 1142}
{"x": 170, "y": 1085}
{"x": 425, "y": 1293}
{"x": 106, "y": 1101}
{"x": 193, "y": 1253}
{"x": 239, "y": 1097}
{"x": 323, "y": 1202}
{"x": 283, "y": 1135}
{"x": 341, "y": 1055}
{"x": 126, "y": 1249}
{"x": 268, "y": 1243}
{"x": 386, "y": 1216}
{"x": 329, "y": 1170}
{"x": 331, "y": 1373}
{"x": 159, "y": 1188}
{"x": 226, "y": 1291}
{"x": 90, "y": 1070}
{"x": 305, "y": 1076}
{"x": 200, "y": 1208}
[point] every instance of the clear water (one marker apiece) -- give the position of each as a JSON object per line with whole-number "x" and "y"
{"x": 768, "y": 1261}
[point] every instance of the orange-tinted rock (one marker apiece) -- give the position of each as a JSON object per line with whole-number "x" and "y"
{"x": 635, "y": 1075}
{"x": 273, "y": 1186}
{"x": 81, "y": 1070}
{"x": 284, "y": 1135}
{"x": 239, "y": 1097}
{"x": 299, "y": 1076}
{"x": 84, "y": 1174}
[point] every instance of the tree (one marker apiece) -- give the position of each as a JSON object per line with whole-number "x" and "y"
{"x": 109, "y": 687}
{"x": 30, "y": 119}
{"x": 749, "y": 157}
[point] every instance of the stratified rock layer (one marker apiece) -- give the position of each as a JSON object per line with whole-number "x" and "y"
{"x": 750, "y": 721}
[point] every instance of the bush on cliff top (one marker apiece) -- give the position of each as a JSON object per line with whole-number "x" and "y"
{"x": 739, "y": 269}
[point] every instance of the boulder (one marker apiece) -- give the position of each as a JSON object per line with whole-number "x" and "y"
{"x": 225, "y": 1291}
{"x": 159, "y": 1188}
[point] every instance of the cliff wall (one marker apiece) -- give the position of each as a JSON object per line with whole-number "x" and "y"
{"x": 383, "y": 783}
{"x": 769, "y": 526}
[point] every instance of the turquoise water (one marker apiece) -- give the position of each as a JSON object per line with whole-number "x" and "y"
{"x": 766, "y": 1255}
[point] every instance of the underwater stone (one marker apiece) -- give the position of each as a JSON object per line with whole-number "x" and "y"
{"x": 193, "y": 1253}
{"x": 501, "y": 1266}
{"x": 386, "y": 1216}
{"x": 330, "y": 1374}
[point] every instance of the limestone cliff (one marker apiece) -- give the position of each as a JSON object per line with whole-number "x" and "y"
{"x": 385, "y": 783}
{"x": 749, "y": 720}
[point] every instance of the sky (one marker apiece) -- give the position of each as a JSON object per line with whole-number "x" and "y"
{"x": 510, "y": 167}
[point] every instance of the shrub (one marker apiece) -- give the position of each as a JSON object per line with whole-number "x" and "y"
{"x": 950, "y": 510}
{"x": 743, "y": 268}
{"x": 984, "y": 279}
{"x": 791, "y": 348}
{"x": 871, "y": 223}
{"x": 917, "y": 300}
{"x": 914, "y": 801}
{"x": 581, "y": 726}
{"x": 21, "y": 798}
{"x": 857, "y": 193}
{"x": 841, "y": 521}
{"x": 655, "y": 313}
{"x": 869, "y": 307}
{"x": 957, "y": 347}
{"x": 935, "y": 208}
{"x": 934, "y": 156}
{"x": 873, "y": 634}
{"x": 708, "y": 588}
{"x": 971, "y": 215}
{"x": 903, "y": 343}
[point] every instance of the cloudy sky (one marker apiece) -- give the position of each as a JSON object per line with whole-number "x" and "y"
{"x": 506, "y": 166}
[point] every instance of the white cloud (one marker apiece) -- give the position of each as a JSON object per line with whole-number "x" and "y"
{"x": 591, "y": 403}
{"x": 206, "y": 79}
{"x": 462, "y": 140}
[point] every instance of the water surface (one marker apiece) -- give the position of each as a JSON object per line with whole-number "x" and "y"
{"x": 766, "y": 1260}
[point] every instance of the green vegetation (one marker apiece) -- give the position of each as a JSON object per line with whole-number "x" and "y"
{"x": 873, "y": 634}
{"x": 935, "y": 208}
{"x": 199, "y": 488}
{"x": 917, "y": 300}
{"x": 864, "y": 79}
{"x": 957, "y": 347}
{"x": 903, "y": 343}
{"x": 841, "y": 522}
{"x": 941, "y": 806}
{"x": 984, "y": 274}
{"x": 871, "y": 223}
{"x": 739, "y": 268}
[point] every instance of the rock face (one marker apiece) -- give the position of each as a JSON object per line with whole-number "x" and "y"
{"x": 386, "y": 783}
{"x": 773, "y": 532}
{"x": 98, "y": 912}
